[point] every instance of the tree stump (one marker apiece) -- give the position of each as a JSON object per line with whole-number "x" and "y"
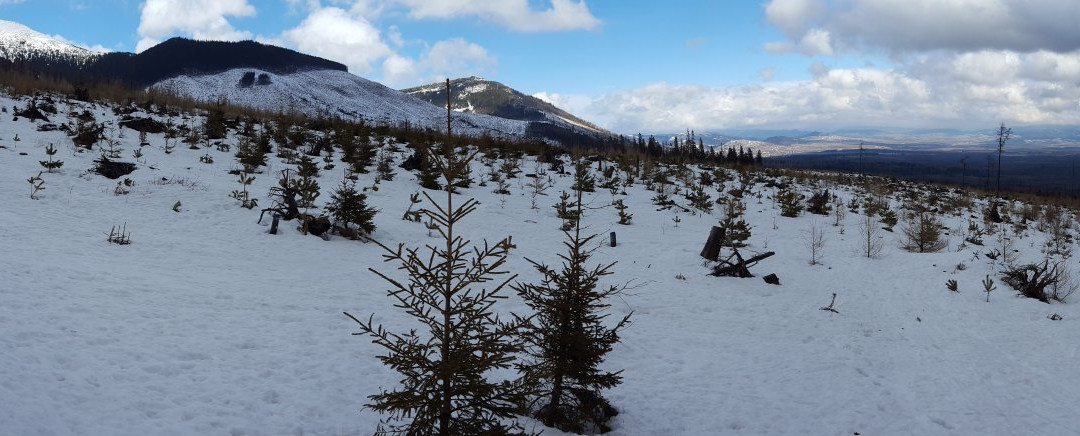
{"x": 712, "y": 245}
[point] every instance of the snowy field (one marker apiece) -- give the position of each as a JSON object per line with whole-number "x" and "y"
{"x": 206, "y": 324}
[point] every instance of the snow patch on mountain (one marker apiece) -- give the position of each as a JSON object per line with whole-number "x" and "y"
{"x": 333, "y": 94}
{"x": 18, "y": 42}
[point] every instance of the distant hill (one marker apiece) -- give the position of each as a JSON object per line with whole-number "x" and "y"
{"x": 180, "y": 56}
{"x": 331, "y": 93}
{"x": 481, "y": 96}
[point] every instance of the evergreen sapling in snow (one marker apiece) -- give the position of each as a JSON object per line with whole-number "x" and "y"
{"x": 349, "y": 206}
{"x": 567, "y": 339}
{"x": 50, "y": 164}
{"x": 446, "y": 367}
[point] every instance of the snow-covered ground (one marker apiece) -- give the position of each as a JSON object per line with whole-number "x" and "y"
{"x": 206, "y": 324}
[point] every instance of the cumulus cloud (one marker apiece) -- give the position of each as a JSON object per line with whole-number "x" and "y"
{"x": 346, "y": 36}
{"x": 456, "y": 57}
{"x": 922, "y": 25}
{"x": 947, "y": 95}
{"x": 515, "y": 15}
{"x": 953, "y": 63}
{"x": 200, "y": 19}
{"x": 335, "y": 34}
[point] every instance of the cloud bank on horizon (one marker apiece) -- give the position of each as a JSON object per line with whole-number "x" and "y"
{"x": 924, "y": 63}
{"x": 954, "y": 63}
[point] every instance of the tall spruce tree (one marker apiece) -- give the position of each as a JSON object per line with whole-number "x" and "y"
{"x": 567, "y": 339}
{"x": 445, "y": 387}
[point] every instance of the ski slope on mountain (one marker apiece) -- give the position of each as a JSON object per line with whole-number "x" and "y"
{"x": 333, "y": 94}
{"x": 206, "y": 324}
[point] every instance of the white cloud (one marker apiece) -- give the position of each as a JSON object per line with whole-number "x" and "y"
{"x": 456, "y": 57}
{"x": 814, "y": 42}
{"x": 400, "y": 70}
{"x": 515, "y": 15}
{"x": 335, "y": 34}
{"x": 767, "y": 74}
{"x": 200, "y": 19}
{"x": 793, "y": 17}
{"x": 898, "y": 26}
{"x": 954, "y": 62}
{"x": 347, "y": 37}
{"x": 570, "y": 103}
{"x": 859, "y": 97}
{"x": 97, "y": 48}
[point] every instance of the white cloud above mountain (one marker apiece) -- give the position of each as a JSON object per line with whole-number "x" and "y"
{"x": 516, "y": 15}
{"x": 200, "y": 19}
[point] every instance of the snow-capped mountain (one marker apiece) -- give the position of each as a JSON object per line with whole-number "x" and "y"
{"x": 481, "y": 96}
{"x": 21, "y": 43}
{"x": 331, "y": 93}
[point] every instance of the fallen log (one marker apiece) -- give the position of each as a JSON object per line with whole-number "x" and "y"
{"x": 741, "y": 267}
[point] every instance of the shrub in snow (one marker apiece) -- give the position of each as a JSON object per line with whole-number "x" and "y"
{"x": 922, "y": 233}
{"x": 815, "y": 242}
{"x": 1041, "y": 281}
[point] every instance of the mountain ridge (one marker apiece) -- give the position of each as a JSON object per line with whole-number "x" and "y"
{"x": 475, "y": 94}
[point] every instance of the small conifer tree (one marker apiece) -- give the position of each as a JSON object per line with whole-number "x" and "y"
{"x": 428, "y": 175}
{"x": 567, "y": 339}
{"x": 922, "y": 233}
{"x": 583, "y": 178}
{"x": 349, "y": 206}
{"x": 789, "y": 203}
{"x": 818, "y": 203}
{"x": 446, "y": 367}
{"x": 308, "y": 184}
{"x": 51, "y": 164}
{"x": 566, "y": 212}
{"x": 624, "y": 216}
{"x": 700, "y": 199}
{"x": 385, "y": 166}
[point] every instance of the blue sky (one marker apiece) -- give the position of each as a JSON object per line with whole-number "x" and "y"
{"x": 648, "y": 65}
